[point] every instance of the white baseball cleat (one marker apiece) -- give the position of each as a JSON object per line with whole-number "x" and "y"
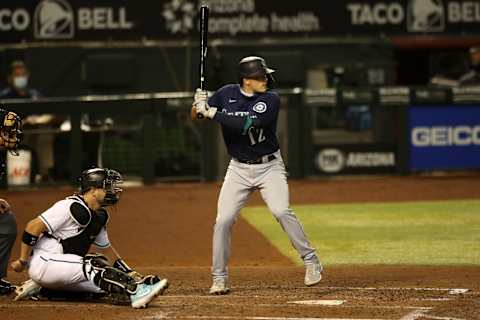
{"x": 219, "y": 286}
{"x": 147, "y": 292}
{"x": 28, "y": 290}
{"x": 313, "y": 274}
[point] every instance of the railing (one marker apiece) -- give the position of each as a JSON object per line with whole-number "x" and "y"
{"x": 151, "y": 135}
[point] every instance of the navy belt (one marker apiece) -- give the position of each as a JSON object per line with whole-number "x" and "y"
{"x": 264, "y": 159}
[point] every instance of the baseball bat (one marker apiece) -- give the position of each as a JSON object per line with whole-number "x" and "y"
{"x": 203, "y": 47}
{"x": 203, "y": 44}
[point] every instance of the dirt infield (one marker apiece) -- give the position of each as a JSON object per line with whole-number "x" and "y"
{"x": 167, "y": 229}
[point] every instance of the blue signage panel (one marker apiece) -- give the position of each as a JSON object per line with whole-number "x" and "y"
{"x": 444, "y": 137}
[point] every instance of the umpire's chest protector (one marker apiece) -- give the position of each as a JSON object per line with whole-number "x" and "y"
{"x": 91, "y": 224}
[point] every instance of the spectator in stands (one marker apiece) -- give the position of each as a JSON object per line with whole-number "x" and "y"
{"x": 447, "y": 67}
{"x": 472, "y": 77}
{"x": 18, "y": 83}
{"x": 41, "y": 144}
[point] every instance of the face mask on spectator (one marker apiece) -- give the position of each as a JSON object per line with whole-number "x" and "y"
{"x": 20, "y": 82}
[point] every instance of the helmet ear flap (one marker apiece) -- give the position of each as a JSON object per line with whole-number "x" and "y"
{"x": 271, "y": 81}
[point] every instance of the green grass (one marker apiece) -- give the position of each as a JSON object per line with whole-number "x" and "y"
{"x": 426, "y": 233}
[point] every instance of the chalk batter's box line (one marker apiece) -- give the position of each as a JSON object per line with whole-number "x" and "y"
{"x": 449, "y": 290}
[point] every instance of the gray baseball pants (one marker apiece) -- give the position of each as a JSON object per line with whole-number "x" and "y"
{"x": 240, "y": 181}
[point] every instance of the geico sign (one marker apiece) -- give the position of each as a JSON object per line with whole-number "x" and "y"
{"x": 18, "y": 19}
{"x": 445, "y": 136}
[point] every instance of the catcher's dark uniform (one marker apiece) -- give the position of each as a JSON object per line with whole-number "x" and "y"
{"x": 10, "y": 137}
{"x": 8, "y": 234}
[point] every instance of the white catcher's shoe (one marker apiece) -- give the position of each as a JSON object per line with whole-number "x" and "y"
{"x": 28, "y": 290}
{"x": 219, "y": 286}
{"x": 147, "y": 292}
{"x": 313, "y": 274}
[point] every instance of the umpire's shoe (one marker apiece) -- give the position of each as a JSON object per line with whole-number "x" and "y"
{"x": 6, "y": 287}
{"x": 147, "y": 292}
{"x": 313, "y": 273}
{"x": 219, "y": 286}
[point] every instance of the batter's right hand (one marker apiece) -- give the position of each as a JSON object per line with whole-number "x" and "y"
{"x": 18, "y": 265}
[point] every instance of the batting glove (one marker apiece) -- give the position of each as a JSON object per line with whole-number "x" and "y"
{"x": 200, "y": 96}
{"x": 201, "y": 105}
{"x": 205, "y": 110}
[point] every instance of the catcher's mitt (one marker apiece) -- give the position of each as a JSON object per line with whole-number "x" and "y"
{"x": 10, "y": 130}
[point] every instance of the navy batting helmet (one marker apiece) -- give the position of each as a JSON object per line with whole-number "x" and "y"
{"x": 102, "y": 178}
{"x": 254, "y": 67}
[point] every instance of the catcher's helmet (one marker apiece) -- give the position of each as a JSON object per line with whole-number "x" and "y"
{"x": 10, "y": 130}
{"x": 102, "y": 178}
{"x": 253, "y": 67}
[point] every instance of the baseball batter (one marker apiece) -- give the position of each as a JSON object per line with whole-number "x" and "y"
{"x": 248, "y": 114}
{"x": 10, "y": 135}
{"x": 55, "y": 246}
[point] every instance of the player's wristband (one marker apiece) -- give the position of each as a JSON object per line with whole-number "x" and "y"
{"x": 29, "y": 239}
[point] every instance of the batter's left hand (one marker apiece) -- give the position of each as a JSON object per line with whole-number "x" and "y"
{"x": 205, "y": 110}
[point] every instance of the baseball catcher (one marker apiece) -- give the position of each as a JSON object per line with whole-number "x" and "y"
{"x": 10, "y": 135}
{"x": 61, "y": 238}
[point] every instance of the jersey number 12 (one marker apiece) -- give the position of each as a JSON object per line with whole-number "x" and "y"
{"x": 255, "y": 135}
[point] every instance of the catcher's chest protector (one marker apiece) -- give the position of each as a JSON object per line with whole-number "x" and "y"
{"x": 80, "y": 244}
{"x": 91, "y": 223}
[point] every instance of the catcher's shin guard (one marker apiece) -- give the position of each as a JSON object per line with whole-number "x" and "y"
{"x": 109, "y": 279}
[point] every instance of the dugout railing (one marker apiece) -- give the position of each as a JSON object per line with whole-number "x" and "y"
{"x": 150, "y": 137}
{"x": 142, "y": 135}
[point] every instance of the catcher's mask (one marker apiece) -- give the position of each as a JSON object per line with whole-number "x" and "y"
{"x": 10, "y": 130}
{"x": 254, "y": 67}
{"x": 102, "y": 178}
